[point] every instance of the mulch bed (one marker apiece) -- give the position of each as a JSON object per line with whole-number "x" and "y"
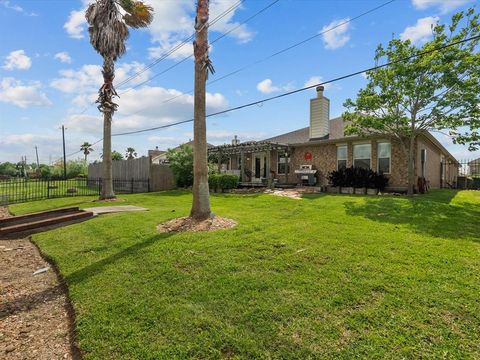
{"x": 189, "y": 224}
{"x": 35, "y": 317}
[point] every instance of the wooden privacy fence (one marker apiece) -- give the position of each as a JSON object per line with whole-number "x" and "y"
{"x": 159, "y": 177}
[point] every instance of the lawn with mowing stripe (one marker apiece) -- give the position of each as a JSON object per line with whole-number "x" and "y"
{"x": 328, "y": 276}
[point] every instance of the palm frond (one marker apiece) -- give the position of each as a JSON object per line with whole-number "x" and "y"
{"x": 107, "y": 30}
{"x": 138, "y": 14}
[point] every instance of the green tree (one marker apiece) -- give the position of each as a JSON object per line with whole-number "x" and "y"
{"x": 181, "y": 163}
{"x": 8, "y": 169}
{"x": 435, "y": 91}
{"x": 116, "y": 156}
{"x": 86, "y": 148}
{"x": 130, "y": 153}
{"x": 108, "y": 22}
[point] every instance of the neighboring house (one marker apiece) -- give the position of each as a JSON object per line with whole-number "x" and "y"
{"x": 160, "y": 156}
{"x": 474, "y": 167}
{"x": 324, "y": 147}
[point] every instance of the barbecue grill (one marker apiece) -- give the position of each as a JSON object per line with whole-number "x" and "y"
{"x": 306, "y": 175}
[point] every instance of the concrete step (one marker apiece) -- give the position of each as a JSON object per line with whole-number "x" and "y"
{"x": 37, "y": 216}
{"x": 33, "y": 225}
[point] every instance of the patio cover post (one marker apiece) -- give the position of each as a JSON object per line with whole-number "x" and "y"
{"x": 242, "y": 166}
{"x": 269, "y": 172}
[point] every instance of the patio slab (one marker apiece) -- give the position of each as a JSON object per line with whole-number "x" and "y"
{"x": 114, "y": 209}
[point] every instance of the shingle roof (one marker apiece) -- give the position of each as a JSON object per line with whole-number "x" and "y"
{"x": 292, "y": 137}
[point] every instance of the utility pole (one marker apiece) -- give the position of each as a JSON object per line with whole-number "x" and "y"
{"x": 64, "y": 154}
{"x": 36, "y": 152}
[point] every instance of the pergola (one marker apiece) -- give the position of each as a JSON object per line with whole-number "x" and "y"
{"x": 246, "y": 148}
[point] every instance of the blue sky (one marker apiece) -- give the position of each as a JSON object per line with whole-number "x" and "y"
{"x": 49, "y": 73}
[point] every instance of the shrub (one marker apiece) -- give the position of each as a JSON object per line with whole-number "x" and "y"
{"x": 358, "y": 178}
{"x": 222, "y": 182}
{"x": 181, "y": 163}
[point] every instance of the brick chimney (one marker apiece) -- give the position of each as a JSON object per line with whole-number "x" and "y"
{"x": 319, "y": 115}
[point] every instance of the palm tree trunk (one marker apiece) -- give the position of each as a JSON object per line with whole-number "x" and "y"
{"x": 201, "y": 196}
{"x": 108, "y": 108}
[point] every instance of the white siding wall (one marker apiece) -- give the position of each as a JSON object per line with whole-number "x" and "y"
{"x": 319, "y": 117}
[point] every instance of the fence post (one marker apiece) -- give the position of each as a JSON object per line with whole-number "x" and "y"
{"x": 148, "y": 185}
{"x": 131, "y": 187}
{"x": 99, "y": 184}
{"x": 48, "y": 188}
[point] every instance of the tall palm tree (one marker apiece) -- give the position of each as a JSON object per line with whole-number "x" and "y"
{"x": 201, "y": 197}
{"x": 131, "y": 153}
{"x": 86, "y": 147}
{"x": 108, "y": 22}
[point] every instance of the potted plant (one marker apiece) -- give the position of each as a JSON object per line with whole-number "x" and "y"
{"x": 335, "y": 181}
{"x": 380, "y": 182}
{"x": 348, "y": 180}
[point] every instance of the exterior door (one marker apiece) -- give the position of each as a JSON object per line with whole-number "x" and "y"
{"x": 258, "y": 165}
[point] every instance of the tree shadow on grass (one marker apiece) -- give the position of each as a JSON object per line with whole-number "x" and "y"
{"x": 432, "y": 215}
{"x": 97, "y": 267}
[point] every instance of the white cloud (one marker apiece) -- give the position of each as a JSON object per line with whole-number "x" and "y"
{"x": 266, "y": 87}
{"x": 88, "y": 78}
{"x": 173, "y": 22}
{"x": 17, "y": 60}
{"x": 317, "y": 80}
{"x": 444, "y": 5}
{"x": 421, "y": 31}
{"x": 337, "y": 36}
{"x": 63, "y": 57}
{"x": 14, "y": 92}
{"x": 9, "y": 5}
{"x": 76, "y": 24}
{"x": 153, "y": 110}
{"x": 26, "y": 139}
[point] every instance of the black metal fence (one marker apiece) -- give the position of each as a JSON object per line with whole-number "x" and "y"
{"x": 17, "y": 190}
{"x": 464, "y": 174}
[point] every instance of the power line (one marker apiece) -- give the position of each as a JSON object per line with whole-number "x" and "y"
{"x": 262, "y": 101}
{"x": 180, "y": 45}
{"x": 171, "y": 51}
{"x": 290, "y": 47}
{"x": 213, "y": 42}
{"x": 306, "y": 87}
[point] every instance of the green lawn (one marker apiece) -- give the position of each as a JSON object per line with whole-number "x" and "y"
{"x": 324, "y": 277}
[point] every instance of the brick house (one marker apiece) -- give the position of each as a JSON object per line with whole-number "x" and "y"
{"x": 324, "y": 146}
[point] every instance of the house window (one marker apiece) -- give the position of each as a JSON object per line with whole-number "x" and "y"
{"x": 362, "y": 155}
{"x": 341, "y": 156}
{"x": 282, "y": 164}
{"x": 384, "y": 155}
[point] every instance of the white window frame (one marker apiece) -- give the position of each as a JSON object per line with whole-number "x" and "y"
{"x": 346, "y": 158}
{"x": 353, "y": 153}
{"x": 390, "y": 158}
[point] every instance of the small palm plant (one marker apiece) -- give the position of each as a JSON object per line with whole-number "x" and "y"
{"x": 86, "y": 148}
{"x": 108, "y": 22}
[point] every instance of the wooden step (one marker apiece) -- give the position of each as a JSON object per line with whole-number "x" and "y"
{"x": 43, "y": 223}
{"x": 37, "y": 216}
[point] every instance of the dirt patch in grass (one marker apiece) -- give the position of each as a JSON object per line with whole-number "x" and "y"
{"x": 292, "y": 193}
{"x": 110, "y": 200}
{"x": 36, "y": 320}
{"x": 4, "y": 212}
{"x": 189, "y": 224}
